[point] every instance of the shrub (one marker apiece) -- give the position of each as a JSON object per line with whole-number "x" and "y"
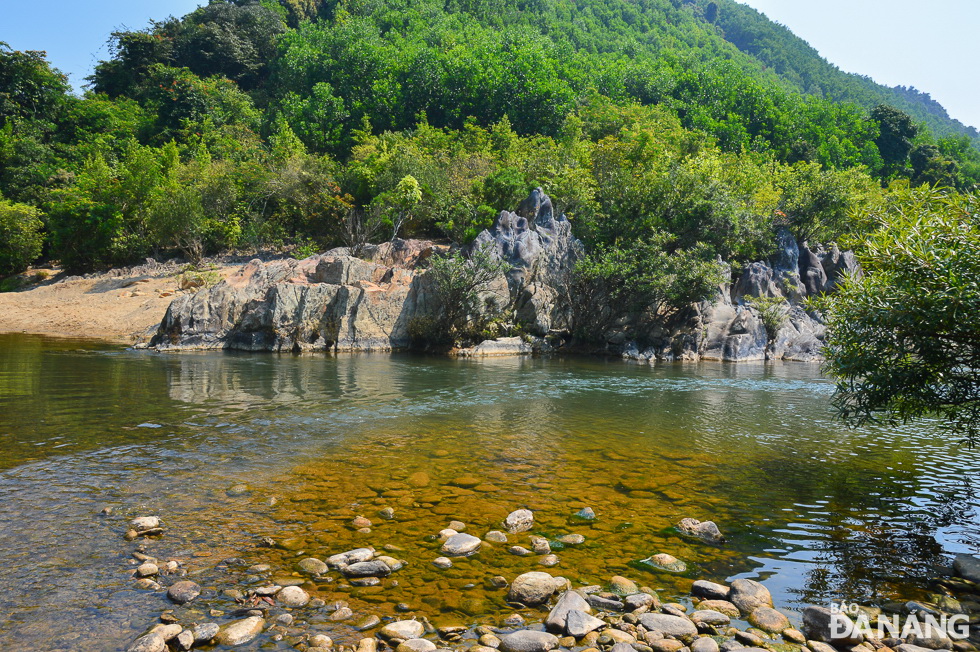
{"x": 21, "y": 236}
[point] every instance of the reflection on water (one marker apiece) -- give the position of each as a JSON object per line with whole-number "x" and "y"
{"x": 817, "y": 511}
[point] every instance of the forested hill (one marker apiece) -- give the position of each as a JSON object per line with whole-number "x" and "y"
{"x": 796, "y": 62}
{"x": 313, "y": 123}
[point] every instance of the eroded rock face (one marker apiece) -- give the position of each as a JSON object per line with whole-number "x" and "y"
{"x": 541, "y": 250}
{"x": 325, "y": 302}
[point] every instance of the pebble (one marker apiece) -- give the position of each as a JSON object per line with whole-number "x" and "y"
{"x": 367, "y": 622}
{"x": 532, "y": 588}
{"x": 442, "y": 562}
{"x": 147, "y": 569}
{"x": 623, "y": 586}
{"x": 359, "y": 522}
{"x": 572, "y": 539}
{"x": 586, "y": 513}
{"x": 459, "y": 526}
{"x": 342, "y": 613}
{"x": 387, "y": 513}
{"x": 495, "y": 536}
{"x": 204, "y": 632}
{"x": 520, "y": 551}
{"x": 549, "y": 561}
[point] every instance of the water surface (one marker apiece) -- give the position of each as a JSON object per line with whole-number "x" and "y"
{"x": 816, "y": 511}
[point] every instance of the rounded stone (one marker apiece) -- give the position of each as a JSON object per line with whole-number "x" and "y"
{"x": 572, "y": 539}
{"x": 403, "y": 630}
{"x": 293, "y": 596}
{"x": 520, "y": 520}
{"x": 527, "y": 640}
{"x": 183, "y": 592}
{"x": 495, "y": 536}
{"x": 241, "y": 631}
{"x": 312, "y": 566}
{"x": 442, "y": 562}
{"x": 532, "y": 588}
{"x": 769, "y": 620}
{"x": 416, "y": 645}
{"x": 461, "y": 545}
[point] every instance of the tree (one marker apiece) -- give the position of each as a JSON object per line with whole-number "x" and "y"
{"x": 458, "y": 284}
{"x": 904, "y": 341}
{"x": 21, "y": 236}
{"x": 895, "y": 133}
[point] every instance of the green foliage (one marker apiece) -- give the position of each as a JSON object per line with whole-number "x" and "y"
{"x": 774, "y": 312}
{"x": 21, "y": 238}
{"x": 460, "y": 286}
{"x": 641, "y": 286}
{"x": 903, "y": 338}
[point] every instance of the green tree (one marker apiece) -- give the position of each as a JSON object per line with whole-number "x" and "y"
{"x": 21, "y": 236}
{"x": 903, "y": 338}
{"x": 895, "y": 134}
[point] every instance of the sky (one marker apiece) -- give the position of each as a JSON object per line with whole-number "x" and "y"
{"x": 933, "y": 45}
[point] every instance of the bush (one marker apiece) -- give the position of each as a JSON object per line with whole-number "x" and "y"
{"x": 21, "y": 236}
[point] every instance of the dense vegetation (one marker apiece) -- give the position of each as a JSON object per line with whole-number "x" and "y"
{"x": 315, "y": 123}
{"x": 903, "y": 340}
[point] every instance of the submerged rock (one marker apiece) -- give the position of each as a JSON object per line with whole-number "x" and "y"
{"x": 705, "y": 530}
{"x": 461, "y": 545}
{"x": 665, "y": 562}
{"x": 520, "y": 520}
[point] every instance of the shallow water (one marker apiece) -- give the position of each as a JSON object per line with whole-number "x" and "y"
{"x": 816, "y": 511}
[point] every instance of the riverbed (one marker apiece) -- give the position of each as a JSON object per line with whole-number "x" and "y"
{"x": 234, "y": 450}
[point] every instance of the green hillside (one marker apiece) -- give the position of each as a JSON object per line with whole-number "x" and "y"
{"x": 311, "y": 124}
{"x": 802, "y": 66}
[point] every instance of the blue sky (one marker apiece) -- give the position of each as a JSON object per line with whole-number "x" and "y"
{"x": 930, "y": 44}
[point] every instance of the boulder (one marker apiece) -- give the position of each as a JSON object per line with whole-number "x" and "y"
{"x": 818, "y": 625}
{"x": 769, "y": 620}
{"x": 520, "y": 520}
{"x": 183, "y": 592}
{"x": 527, "y": 640}
{"x": 579, "y": 623}
{"x": 403, "y": 630}
{"x": 461, "y": 545}
{"x": 569, "y": 600}
{"x": 241, "y": 631}
{"x": 709, "y": 590}
{"x": 704, "y": 530}
{"x": 669, "y": 625}
{"x": 749, "y": 595}
{"x": 533, "y": 588}
{"x": 967, "y": 567}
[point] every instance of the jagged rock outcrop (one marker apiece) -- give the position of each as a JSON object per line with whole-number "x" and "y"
{"x": 326, "y": 302}
{"x": 336, "y": 302}
{"x": 541, "y": 251}
{"x": 728, "y": 328}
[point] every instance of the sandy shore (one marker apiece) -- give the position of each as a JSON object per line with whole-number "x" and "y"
{"x": 123, "y": 305}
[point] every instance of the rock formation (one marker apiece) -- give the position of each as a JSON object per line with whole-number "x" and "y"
{"x": 336, "y": 302}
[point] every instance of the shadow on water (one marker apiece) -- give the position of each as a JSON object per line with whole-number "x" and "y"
{"x": 817, "y": 511}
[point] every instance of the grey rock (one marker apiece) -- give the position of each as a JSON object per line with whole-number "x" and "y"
{"x": 908, "y": 647}
{"x": 769, "y": 620}
{"x": 461, "y": 545}
{"x": 241, "y": 631}
{"x": 520, "y": 520}
{"x": 817, "y": 623}
{"x": 402, "y": 630}
{"x": 183, "y": 592}
{"x": 184, "y": 640}
{"x": 312, "y": 566}
{"x": 351, "y": 557}
{"x": 605, "y": 604}
{"x": 442, "y": 562}
{"x": 144, "y": 523}
{"x": 527, "y": 640}
{"x": 749, "y": 595}
{"x": 293, "y": 596}
{"x": 375, "y": 568}
{"x": 704, "y": 644}
{"x": 586, "y": 513}
{"x": 670, "y": 625}
{"x": 640, "y": 600}
{"x": 722, "y": 606}
{"x": 705, "y": 530}
{"x": 709, "y": 590}
{"x": 568, "y": 601}
{"x": 710, "y": 617}
{"x": 205, "y": 632}
{"x": 416, "y": 645}
{"x": 579, "y": 623}
{"x": 967, "y": 567}
{"x": 532, "y": 588}
{"x": 153, "y": 642}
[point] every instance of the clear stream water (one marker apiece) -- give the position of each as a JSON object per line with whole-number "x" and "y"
{"x": 816, "y": 511}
